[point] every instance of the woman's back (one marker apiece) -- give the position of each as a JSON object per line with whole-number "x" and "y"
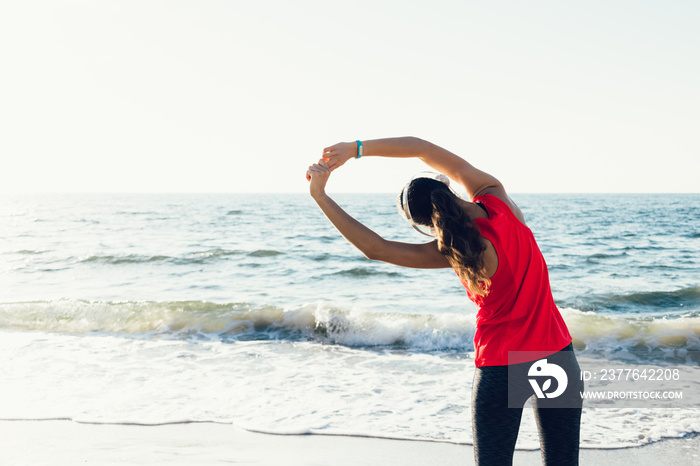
{"x": 518, "y": 313}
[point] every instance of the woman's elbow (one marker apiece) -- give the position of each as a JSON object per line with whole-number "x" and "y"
{"x": 376, "y": 251}
{"x": 373, "y": 255}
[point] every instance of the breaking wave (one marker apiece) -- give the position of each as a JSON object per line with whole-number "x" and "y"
{"x": 326, "y": 324}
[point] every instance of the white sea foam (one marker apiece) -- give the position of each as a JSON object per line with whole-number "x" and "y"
{"x": 326, "y": 323}
{"x": 593, "y": 331}
{"x": 275, "y": 386}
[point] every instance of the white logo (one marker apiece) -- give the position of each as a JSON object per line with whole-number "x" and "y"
{"x": 543, "y": 369}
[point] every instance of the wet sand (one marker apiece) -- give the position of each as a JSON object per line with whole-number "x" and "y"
{"x": 69, "y": 443}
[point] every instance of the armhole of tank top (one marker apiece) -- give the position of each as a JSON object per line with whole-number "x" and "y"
{"x": 505, "y": 208}
{"x": 481, "y": 204}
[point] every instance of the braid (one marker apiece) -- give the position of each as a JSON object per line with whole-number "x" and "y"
{"x": 459, "y": 240}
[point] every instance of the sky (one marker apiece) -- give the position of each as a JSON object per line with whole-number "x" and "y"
{"x": 241, "y": 96}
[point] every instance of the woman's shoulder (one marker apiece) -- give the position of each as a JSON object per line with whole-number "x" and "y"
{"x": 499, "y": 202}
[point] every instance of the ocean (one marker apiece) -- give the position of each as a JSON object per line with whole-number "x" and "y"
{"x": 251, "y": 309}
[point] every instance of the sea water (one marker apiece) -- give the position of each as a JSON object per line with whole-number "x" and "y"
{"x": 253, "y": 310}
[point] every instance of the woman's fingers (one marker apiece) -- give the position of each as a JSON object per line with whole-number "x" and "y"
{"x": 310, "y": 172}
{"x": 320, "y": 167}
{"x": 332, "y": 161}
{"x": 330, "y": 153}
{"x": 337, "y": 154}
{"x": 328, "y": 156}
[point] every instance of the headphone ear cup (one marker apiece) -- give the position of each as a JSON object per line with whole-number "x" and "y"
{"x": 443, "y": 178}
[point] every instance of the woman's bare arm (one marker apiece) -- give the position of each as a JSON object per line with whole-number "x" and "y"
{"x": 475, "y": 181}
{"x": 373, "y": 246}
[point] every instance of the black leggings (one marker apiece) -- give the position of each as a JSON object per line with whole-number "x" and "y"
{"x": 495, "y": 426}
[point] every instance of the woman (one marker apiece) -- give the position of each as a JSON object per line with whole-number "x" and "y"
{"x": 519, "y": 329}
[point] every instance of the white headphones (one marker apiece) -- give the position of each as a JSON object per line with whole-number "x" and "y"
{"x": 406, "y": 211}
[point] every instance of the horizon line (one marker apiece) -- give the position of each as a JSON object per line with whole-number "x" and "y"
{"x": 516, "y": 193}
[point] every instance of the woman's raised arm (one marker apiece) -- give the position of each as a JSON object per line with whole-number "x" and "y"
{"x": 373, "y": 246}
{"x": 475, "y": 181}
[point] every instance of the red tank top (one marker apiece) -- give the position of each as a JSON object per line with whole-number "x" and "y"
{"x": 519, "y": 313}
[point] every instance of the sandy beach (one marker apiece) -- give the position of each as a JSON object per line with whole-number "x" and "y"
{"x": 68, "y": 443}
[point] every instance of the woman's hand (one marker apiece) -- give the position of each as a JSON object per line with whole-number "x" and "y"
{"x": 318, "y": 174}
{"x": 337, "y": 154}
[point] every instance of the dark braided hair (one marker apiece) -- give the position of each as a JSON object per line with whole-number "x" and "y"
{"x": 432, "y": 203}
